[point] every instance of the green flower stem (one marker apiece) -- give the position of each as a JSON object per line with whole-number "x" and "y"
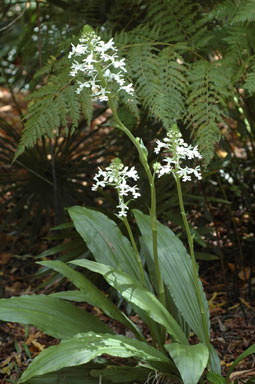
{"x": 142, "y": 277}
{"x": 194, "y": 267}
{"x": 137, "y": 255}
{"x": 153, "y": 214}
{"x": 143, "y": 159}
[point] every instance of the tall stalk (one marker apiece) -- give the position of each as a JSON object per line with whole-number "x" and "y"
{"x": 153, "y": 213}
{"x": 137, "y": 255}
{"x": 142, "y": 277}
{"x": 193, "y": 259}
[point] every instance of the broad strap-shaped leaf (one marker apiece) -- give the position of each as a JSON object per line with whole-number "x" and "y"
{"x": 122, "y": 374}
{"x": 80, "y": 297}
{"x": 91, "y": 294}
{"x": 176, "y": 269}
{"x": 106, "y": 242}
{"x": 135, "y": 293}
{"x": 74, "y": 295}
{"x": 72, "y": 375}
{"x": 214, "y": 360}
{"x": 85, "y": 347}
{"x": 51, "y": 315}
{"x": 104, "y": 239}
{"x": 191, "y": 360}
{"x": 215, "y": 378}
{"x": 170, "y": 304}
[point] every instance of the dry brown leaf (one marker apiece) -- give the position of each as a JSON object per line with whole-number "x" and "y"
{"x": 6, "y": 361}
{"x": 244, "y": 274}
{"x": 7, "y": 370}
{"x": 38, "y": 345}
{"x": 242, "y": 374}
{"x": 231, "y": 267}
{"x": 245, "y": 303}
{"x": 5, "y": 257}
{"x": 30, "y": 339}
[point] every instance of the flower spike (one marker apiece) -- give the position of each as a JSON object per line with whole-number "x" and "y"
{"x": 177, "y": 150}
{"x": 116, "y": 175}
{"x": 99, "y": 63}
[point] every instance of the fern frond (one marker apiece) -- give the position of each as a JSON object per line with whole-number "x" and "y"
{"x": 209, "y": 90}
{"x": 142, "y": 34}
{"x": 238, "y": 42}
{"x": 224, "y": 11}
{"x": 159, "y": 81}
{"x": 249, "y": 83}
{"x": 245, "y": 12}
{"x": 179, "y": 21}
{"x": 53, "y": 106}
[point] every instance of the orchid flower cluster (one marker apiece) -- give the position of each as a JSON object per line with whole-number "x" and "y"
{"x": 175, "y": 146}
{"x": 99, "y": 63}
{"x": 116, "y": 175}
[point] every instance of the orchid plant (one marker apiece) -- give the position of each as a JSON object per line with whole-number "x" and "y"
{"x": 159, "y": 279}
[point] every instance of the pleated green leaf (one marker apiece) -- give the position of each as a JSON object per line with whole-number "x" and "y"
{"x": 85, "y": 347}
{"x": 214, "y": 361}
{"x": 75, "y": 295}
{"x": 176, "y": 269}
{"x": 104, "y": 239}
{"x": 122, "y": 374}
{"x": 135, "y": 293}
{"x": 215, "y": 378}
{"x": 106, "y": 242}
{"x": 191, "y": 360}
{"x": 51, "y": 315}
{"x": 90, "y": 293}
{"x": 72, "y": 375}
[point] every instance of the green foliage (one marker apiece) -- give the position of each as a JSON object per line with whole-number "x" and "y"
{"x": 245, "y": 12}
{"x": 88, "y": 292}
{"x": 118, "y": 252}
{"x": 191, "y": 362}
{"x": 85, "y": 346}
{"x": 189, "y": 62}
{"x": 174, "y": 257}
{"x": 42, "y": 311}
{"x": 135, "y": 293}
{"x": 53, "y": 106}
{"x": 186, "y": 59}
{"x": 89, "y": 373}
{"x": 86, "y": 337}
{"x": 160, "y": 82}
{"x": 178, "y": 21}
{"x": 209, "y": 85}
